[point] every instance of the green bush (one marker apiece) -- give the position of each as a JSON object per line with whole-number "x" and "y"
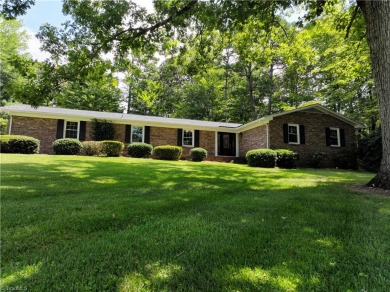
{"x": 67, "y": 146}
{"x": 102, "y": 130}
{"x": 346, "y": 160}
{"x": 318, "y": 159}
{"x": 261, "y": 158}
{"x": 92, "y": 148}
{"x": 286, "y": 158}
{"x": 18, "y": 144}
{"x": 370, "y": 151}
{"x": 168, "y": 152}
{"x": 112, "y": 148}
{"x": 140, "y": 150}
{"x": 4, "y": 119}
{"x": 198, "y": 154}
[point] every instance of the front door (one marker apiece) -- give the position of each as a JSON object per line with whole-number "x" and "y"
{"x": 226, "y": 144}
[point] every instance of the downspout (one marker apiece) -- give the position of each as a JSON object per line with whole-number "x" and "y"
{"x": 10, "y": 125}
{"x": 216, "y": 143}
{"x": 237, "y": 145}
{"x": 267, "y": 133}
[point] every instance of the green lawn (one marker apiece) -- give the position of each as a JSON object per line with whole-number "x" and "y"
{"x": 121, "y": 224}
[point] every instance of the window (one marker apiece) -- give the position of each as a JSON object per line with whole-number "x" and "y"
{"x": 137, "y": 134}
{"x": 293, "y": 134}
{"x": 188, "y": 138}
{"x": 334, "y": 137}
{"x": 71, "y": 130}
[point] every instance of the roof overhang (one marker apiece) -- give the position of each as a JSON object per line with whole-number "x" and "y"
{"x": 33, "y": 113}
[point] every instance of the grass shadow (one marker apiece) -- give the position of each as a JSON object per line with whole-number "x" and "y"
{"x": 133, "y": 225}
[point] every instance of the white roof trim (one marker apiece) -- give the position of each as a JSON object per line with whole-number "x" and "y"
{"x": 121, "y": 118}
{"x": 117, "y": 118}
{"x": 266, "y": 119}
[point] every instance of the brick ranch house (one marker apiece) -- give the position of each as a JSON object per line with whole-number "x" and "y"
{"x": 305, "y": 130}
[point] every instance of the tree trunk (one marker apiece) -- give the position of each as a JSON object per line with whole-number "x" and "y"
{"x": 249, "y": 81}
{"x": 271, "y": 93}
{"x": 377, "y": 17}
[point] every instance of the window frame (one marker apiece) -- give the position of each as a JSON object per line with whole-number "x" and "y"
{"x": 78, "y": 129}
{"x": 131, "y": 133}
{"x": 338, "y": 137}
{"x": 192, "y": 137}
{"x": 298, "y": 134}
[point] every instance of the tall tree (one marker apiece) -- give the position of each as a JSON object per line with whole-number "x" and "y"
{"x": 15, "y": 63}
{"x": 120, "y": 25}
{"x": 376, "y": 15}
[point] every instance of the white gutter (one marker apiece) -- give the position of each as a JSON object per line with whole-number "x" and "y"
{"x": 125, "y": 121}
{"x": 216, "y": 143}
{"x": 10, "y": 125}
{"x": 237, "y": 145}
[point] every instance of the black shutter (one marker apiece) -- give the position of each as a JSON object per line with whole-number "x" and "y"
{"x": 342, "y": 137}
{"x": 83, "y": 127}
{"x": 60, "y": 129}
{"x": 302, "y": 134}
{"x": 127, "y": 133}
{"x": 327, "y": 135}
{"x": 196, "y": 142}
{"x": 147, "y": 135}
{"x": 285, "y": 133}
{"x": 179, "y": 137}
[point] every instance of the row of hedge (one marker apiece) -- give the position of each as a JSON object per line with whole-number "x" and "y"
{"x": 282, "y": 158}
{"x": 75, "y": 147}
{"x": 115, "y": 148}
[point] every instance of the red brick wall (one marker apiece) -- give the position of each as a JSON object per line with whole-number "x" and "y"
{"x": 120, "y": 131}
{"x": 163, "y": 136}
{"x": 88, "y": 132}
{"x": 168, "y": 136}
{"x": 207, "y": 141}
{"x": 44, "y": 130}
{"x": 315, "y": 123}
{"x": 253, "y": 139}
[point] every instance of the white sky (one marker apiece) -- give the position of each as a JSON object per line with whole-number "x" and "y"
{"x": 50, "y": 11}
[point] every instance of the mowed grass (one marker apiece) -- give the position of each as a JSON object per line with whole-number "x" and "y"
{"x": 122, "y": 224}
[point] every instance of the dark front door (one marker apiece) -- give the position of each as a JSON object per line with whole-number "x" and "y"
{"x": 226, "y": 144}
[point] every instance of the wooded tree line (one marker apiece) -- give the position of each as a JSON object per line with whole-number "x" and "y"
{"x": 222, "y": 60}
{"x": 261, "y": 67}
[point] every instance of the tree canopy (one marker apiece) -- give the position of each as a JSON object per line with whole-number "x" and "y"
{"x": 219, "y": 60}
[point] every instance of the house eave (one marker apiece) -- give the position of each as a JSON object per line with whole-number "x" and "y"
{"x": 325, "y": 110}
{"x": 123, "y": 121}
{"x": 254, "y": 124}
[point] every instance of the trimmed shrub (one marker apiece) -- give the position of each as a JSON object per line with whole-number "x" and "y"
{"x": 168, "y": 152}
{"x": 286, "y": 158}
{"x": 318, "y": 159}
{"x": 346, "y": 160}
{"x": 102, "y": 130}
{"x": 370, "y": 151}
{"x": 4, "y": 120}
{"x": 198, "y": 154}
{"x": 140, "y": 150}
{"x": 19, "y": 144}
{"x": 261, "y": 158}
{"x": 112, "y": 148}
{"x": 67, "y": 146}
{"x": 91, "y": 148}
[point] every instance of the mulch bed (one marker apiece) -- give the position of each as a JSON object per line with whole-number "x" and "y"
{"x": 369, "y": 190}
